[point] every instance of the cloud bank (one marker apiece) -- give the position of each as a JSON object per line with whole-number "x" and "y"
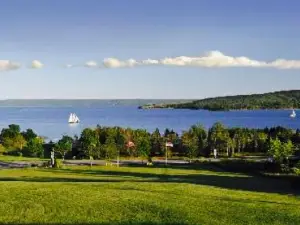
{"x": 6, "y": 65}
{"x": 212, "y": 59}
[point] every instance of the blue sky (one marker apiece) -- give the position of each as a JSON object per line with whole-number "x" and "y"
{"x": 57, "y": 33}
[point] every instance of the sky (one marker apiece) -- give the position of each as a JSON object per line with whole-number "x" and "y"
{"x": 147, "y": 49}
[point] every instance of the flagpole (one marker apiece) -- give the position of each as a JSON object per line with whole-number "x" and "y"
{"x": 166, "y": 155}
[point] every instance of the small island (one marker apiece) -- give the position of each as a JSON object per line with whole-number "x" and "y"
{"x": 272, "y": 100}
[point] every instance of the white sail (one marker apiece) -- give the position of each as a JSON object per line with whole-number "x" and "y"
{"x": 293, "y": 115}
{"x": 73, "y": 118}
{"x": 76, "y": 119}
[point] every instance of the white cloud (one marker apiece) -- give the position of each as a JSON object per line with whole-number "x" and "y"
{"x": 285, "y": 64}
{"x": 35, "y": 64}
{"x": 91, "y": 64}
{"x": 6, "y": 65}
{"x": 116, "y": 63}
{"x": 150, "y": 62}
{"x": 212, "y": 59}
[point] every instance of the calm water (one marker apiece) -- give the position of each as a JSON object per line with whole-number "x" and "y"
{"x": 52, "y": 121}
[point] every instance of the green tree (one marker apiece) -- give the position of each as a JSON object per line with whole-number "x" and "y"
{"x": 280, "y": 151}
{"x": 275, "y": 149}
{"x": 143, "y": 145}
{"x": 288, "y": 150}
{"x": 110, "y": 147}
{"x": 190, "y": 143}
{"x": 34, "y": 148}
{"x": 19, "y": 142}
{"x": 10, "y": 135}
{"x": 89, "y": 143}
{"x": 201, "y": 134}
{"x": 237, "y": 138}
{"x": 63, "y": 146}
{"x": 156, "y": 142}
{"x": 29, "y": 134}
{"x": 262, "y": 142}
{"x": 219, "y": 138}
{"x": 14, "y": 129}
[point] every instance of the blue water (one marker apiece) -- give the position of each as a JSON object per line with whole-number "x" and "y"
{"x": 51, "y": 122}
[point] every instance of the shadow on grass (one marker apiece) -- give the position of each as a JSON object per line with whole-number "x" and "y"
{"x": 93, "y": 223}
{"x": 58, "y": 179}
{"x": 245, "y": 183}
{"x": 193, "y": 166}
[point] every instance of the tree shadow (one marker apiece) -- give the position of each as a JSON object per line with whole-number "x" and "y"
{"x": 189, "y": 166}
{"x": 244, "y": 183}
{"x": 59, "y": 179}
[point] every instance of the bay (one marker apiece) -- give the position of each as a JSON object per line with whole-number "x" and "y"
{"x": 51, "y": 120}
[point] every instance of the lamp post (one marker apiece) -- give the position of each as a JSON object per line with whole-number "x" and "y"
{"x": 166, "y": 157}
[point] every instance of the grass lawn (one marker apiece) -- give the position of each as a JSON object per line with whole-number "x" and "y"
{"x": 8, "y": 158}
{"x": 138, "y": 195}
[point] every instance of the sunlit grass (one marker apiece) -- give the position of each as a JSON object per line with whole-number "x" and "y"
{"x": 8, "y": 158}
{"x": 108, "y": 195}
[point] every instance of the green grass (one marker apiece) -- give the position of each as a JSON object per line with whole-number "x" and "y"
{"x": 138, "y": 195}
{"x": 8, "y": 158}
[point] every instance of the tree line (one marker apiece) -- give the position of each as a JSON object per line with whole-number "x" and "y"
{"x": 15, "y": 142}
{"x": 273, "y": 100}
{"x": 110, "y": 142}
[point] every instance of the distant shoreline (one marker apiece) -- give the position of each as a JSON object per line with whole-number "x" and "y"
{"x": 269, "y": 101}
{"x": 230, "y": 110}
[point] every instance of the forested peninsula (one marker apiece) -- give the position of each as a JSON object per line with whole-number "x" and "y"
{"x": 272, "y": 100}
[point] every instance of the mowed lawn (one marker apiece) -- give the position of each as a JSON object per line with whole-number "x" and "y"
{"x": 7, "y": 158}
{"x": 140, "y": 195}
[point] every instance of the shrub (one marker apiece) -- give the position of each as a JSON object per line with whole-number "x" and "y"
{"x": 2, "y": 149}
{"x": 46, "y": 164}
{"x": 284, "y": 168}
{"x": 14, "y": 152}
{"x": 296, "y": 169}
{"x": 58, "y": 163}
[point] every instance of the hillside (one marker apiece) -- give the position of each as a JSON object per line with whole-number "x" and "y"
{"x": 272, "y": 100}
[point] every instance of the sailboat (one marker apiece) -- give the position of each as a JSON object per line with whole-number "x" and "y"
{"x": 293, "y": 114}
{"x": 73, "y": 118}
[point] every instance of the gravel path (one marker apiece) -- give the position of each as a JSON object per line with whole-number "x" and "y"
{"x": 23, "y": 164}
